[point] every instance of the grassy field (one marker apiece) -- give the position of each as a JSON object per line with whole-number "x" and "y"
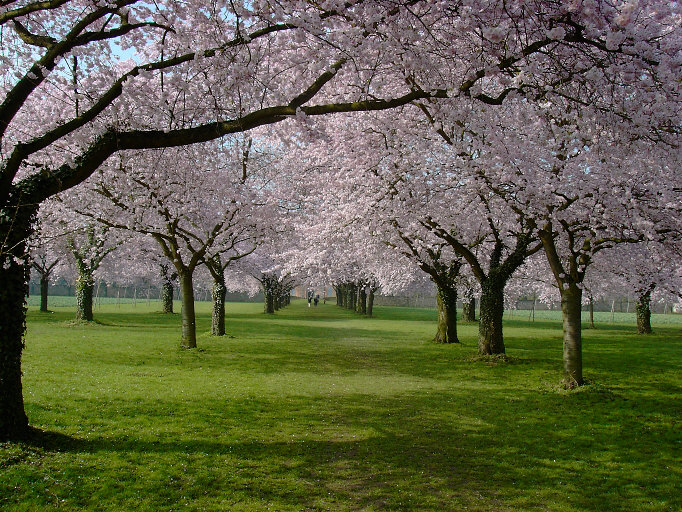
{"x": 318, "y": 409}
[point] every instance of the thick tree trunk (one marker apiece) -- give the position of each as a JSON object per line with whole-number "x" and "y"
{"x": 167, "y": 297}
{"x": 446, "y": 299}
{"x": 571, "y": 312}
{"x": 85, "y": 287}
{"x": 469, "y": 310}
{"x": 218, "y": 316}
{"x": 14, "y": 276}
{"x": 370, "y": 302}
{"x": 189, "y": 328}
{"x": 44, "y": 282}
{"x": 490, "y": 339}
{"x": 643, "y": 309}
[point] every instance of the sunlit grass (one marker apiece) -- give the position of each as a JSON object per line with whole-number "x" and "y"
{"x": 318, "y": 409}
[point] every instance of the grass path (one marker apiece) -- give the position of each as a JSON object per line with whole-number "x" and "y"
{"x": 318, "y": 409}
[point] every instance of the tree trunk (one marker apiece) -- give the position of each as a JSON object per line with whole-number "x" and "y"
{"x": 446, "y": 299}
{"x": 362, "y": 300}
{"x": 44, "y": 282}
{"x": 370, "y": 302}
{"x": 14, "y": 277}
{"x": 571, "y": 299}
{"x": 189, "y": 328}
{"x": 167, "y": 297}
{"x": 218, "y": 317}
{"x": 341, "y": 296}
{"x": 591, "y": 313}
{"x": 269, "y": 299}
{"x": 85, "y": 287}
{"x": 490, "y": 339}
{"x": 469, "y": 310}
{"x": 643, "y": 310}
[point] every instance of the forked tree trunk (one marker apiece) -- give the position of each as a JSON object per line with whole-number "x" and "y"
{"x": 218, "y": 316}
{"x": 490, "y": 338}
{"x": 370, "y": 302}
{"x": 44, "y": 282}
{"x": 571, "y": 312}
{"x": 189, "y": 328}
{"x": 167, "y": 297}
{"x": 14, "y": 276}
{"x": 446, "y": 299}
{"x": 85, "y": 287}
{"x": 643, "y": 309}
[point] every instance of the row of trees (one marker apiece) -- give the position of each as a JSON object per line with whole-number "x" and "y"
{"x": 533, "y": 120}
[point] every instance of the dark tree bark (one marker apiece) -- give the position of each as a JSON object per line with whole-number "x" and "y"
{"x": 14, "y": 275}
{"x": 591, "y": 306}
{"x": 44, "y": 282}
{"x": 643, "y": 310}
{"x": 218, "y": 316}
{"x": 268, "y": 294}
{"x": 446, "y": 298}
{"x": 341, "y": 295}
{"x": 189, "y": 328}
{"x": 571, "y": 309}
{"x": 490, "y": 337}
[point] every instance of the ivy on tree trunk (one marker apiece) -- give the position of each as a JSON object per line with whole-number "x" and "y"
{"x": 15, "y": 229}
{"x": 490, "y": 337}
{"x": 643, "y": 310}
{"x": 85, "y": 287}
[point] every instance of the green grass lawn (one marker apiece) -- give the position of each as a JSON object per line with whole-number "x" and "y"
{"x": 319, "y": 409}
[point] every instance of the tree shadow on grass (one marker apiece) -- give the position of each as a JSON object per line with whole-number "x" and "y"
{"x": 433, "y": 451}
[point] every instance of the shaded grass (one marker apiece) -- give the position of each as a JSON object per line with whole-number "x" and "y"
{"x": 317, "y": 409}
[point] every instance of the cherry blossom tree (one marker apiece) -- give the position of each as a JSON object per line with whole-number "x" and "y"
{"x": 69, "y": 100}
